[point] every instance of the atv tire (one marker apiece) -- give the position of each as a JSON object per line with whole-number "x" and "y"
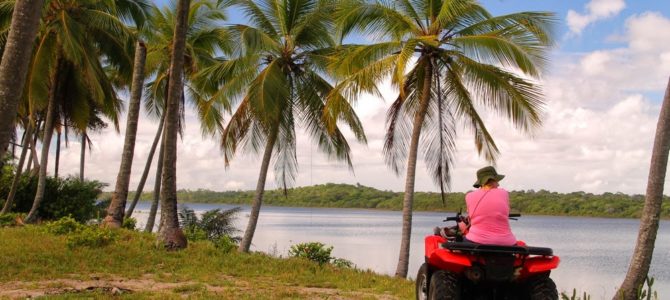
{"x": 444, "y": 285}
{"x": 542, "y": 288}
{"x": 422, "y": 282}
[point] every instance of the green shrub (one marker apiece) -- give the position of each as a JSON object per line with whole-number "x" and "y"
{"x": 62, "y": 197}
{"x": 314, "y": 251}
{"x": 65, "y": 225}
{"x": 194, "y": 233}
{"x": 225, "y": 243}
{"x": 129, "y": 223}
{"x": 212, "y": 225}
{"x": 91, "y": 237}
{"x": 8, "y": 220}
{"x": 342, "y": 263}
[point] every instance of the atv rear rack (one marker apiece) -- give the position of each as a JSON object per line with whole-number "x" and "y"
{"x": 489, "y": 249}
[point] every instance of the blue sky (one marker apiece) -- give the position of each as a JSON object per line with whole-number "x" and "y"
{"x": 602, "y": 92}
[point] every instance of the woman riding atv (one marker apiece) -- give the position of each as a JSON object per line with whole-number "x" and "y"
{"x": 488, "y": 211}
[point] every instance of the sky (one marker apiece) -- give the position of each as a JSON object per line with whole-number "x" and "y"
{"x": 603, "y": 91}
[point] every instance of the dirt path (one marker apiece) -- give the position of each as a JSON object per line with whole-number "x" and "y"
{"x": 119, "y": 286}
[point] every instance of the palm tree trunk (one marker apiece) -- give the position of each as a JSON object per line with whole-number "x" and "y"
{"x": 651, "y": 213}
{"x": 82, "y": 157}
{"x": 14, "y": 64}
{"x": 19, "y": 169}
{"x": 151, "y": 220}
{"x": 32, "y": 159}
{"x": 46, "y": 142}
{"x": 57, "y": 162}
{"x": 147, "y": 167}
{"x": 403, "y": 259}
{"x": 171, "y": 235}
{"x": 258, "y": 198}
{"x": 116, "y": 208}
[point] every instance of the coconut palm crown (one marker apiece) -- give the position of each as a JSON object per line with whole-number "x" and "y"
{"x": 279, "y": 81}
{"x": 448, "y": 59}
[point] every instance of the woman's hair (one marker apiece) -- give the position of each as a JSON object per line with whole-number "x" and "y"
{"x": 490, "y": 181}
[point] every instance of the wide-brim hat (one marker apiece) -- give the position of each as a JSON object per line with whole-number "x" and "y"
{"x": 485, "y": 174}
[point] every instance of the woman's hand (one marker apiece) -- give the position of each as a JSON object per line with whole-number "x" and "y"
{"x": 463, "y": 227}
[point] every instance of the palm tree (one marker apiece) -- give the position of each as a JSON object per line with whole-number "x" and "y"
{"x": 279, "y": 78}
{"x": 171, "y": 236}
{"x": 15, "y": 62}
{"x": 118, "y": 204}
{"x": 651, "y": 213}
{"x": 446, "y": 58}
{"x": 204, "y": 39}
{"x": 67, "y": 66}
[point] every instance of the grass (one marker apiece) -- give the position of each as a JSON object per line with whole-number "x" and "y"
{"x": 34, "y": 259}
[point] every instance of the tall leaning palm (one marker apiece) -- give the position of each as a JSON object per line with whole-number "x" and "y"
{"x": 15, "y": 63}
{"x": 170, "y": 235}
{"x": 448, "y": 59}
{"x": 67, "y": 66}
{"x": 280, "y": 80}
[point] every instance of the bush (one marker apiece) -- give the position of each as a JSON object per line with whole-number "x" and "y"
{"x": 319, "y": 253}
{"x": 314, "y": 251}
{"x": 8, "y": 220}
{"x": 91, "y": 237}
{"x": 225, "y": 243}
{"x": 63, "y": 226}
{"x": 212, "y": 225}
{"x": 342, "y": 263}
{"x": 129, "y": 223}
{"x": 62, "y": 197}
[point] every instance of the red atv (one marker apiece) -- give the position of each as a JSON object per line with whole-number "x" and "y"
{"x": 462, "y": 270}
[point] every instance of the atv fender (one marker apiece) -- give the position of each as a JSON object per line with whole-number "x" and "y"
{"x": 443, "y": 258}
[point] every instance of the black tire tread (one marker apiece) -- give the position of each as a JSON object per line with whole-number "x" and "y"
{"x": 542, "y": 288}
{"x": 444, "y": 285}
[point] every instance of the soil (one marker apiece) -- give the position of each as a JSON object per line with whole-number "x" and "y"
{"x": 115, "y": 286}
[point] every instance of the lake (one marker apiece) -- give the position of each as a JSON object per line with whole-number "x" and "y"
{"x": 594, "y": 252}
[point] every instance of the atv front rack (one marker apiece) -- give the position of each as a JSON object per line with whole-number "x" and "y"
{"x": 490, "y": 249}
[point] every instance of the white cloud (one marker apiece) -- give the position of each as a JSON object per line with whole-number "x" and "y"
{"x": 595, "y": 10}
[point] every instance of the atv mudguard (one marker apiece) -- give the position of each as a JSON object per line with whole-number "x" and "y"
{"x": 442, "y": 258}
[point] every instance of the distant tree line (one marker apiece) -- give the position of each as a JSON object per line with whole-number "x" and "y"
{"x": 542, "y": 202}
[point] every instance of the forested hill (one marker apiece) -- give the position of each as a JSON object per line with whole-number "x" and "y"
{"x": 357, "y": 196}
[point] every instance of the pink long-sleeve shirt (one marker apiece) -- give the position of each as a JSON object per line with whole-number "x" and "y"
{"x": 489, "y": 223}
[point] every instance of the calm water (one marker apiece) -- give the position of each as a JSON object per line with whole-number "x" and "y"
{"x": 594, "y": 251}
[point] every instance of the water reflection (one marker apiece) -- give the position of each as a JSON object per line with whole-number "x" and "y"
{"x": 594, "y": 251}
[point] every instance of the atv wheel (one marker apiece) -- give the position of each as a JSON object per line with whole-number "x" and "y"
{"x": 422, "y": 280}
{"x": 444, "y": 285}
{"x": 542, "y": 288}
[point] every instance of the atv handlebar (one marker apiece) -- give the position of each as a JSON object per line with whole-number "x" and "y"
{"x": 459, "y": 217}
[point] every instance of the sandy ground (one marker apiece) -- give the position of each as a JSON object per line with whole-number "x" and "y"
{"x": 120, "y": 286}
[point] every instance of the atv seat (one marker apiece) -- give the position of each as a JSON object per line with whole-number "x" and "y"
{"x": 498, "y": 249}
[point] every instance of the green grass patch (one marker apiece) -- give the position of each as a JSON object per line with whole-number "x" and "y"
{"x": 32, "y": 254}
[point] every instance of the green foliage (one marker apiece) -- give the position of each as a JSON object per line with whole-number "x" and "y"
{"x": 225, "y": 243}
{"x": 319, "y": 253}
{"x": 342, "y": 263}
{"x": 574, "y": 296}
{"x": 78, "y": 235}
{"x": 10, "y": 219}
{"x": 213, "y": 225}
{"x": 647, "y": 293}
{"x": 542, "y": 202}
{"x": 91, "y": 236}
{"x": 314, "y": 251}
{"x": 62, "y": 197}
{"x": 129, "y": 223}
{"x": 65, "y": 225}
